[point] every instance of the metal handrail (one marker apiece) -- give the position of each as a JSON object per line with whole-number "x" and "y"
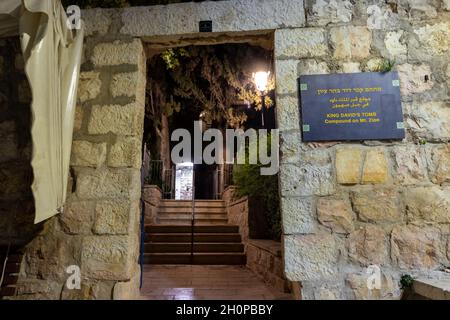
{"x": 193, "y": 217}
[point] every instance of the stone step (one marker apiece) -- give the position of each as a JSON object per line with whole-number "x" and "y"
{"x": 8, "y": 291}
{"x": 200, "y": 210}
{"x": 197, "y": 216}
{"x": 198, "y": 237}
{"x": 188, "y": 203}
{"x": 15, "y": 257}
{"x": 187, "y": 229}
{"x": 197, "y": 258}
{"x": 12, "y": 270}
{"x": 188, "y": 222}
{"x": 198, "y": 247}
{"x": 12, "y": 267}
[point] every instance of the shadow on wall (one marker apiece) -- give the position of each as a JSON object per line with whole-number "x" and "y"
{"x": 16, "y": 200}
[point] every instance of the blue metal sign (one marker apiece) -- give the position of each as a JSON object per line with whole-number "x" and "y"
{"x": 354, "y": 106}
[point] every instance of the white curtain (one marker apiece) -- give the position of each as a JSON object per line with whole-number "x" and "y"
{"x": 52, "y": 54}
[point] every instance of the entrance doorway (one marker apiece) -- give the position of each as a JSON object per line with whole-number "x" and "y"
{"x": 198, "y": 181}
{"x": 190, "y": 228}
{"x": 207, "y": 182}
{"x": 208, "y": 84}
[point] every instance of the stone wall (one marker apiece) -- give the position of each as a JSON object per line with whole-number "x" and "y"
{"x": 99, "y": 228}
{"x": 104, "y": 209}
{"x": 347, "y": 206}
{"x": 265, "y": 259}
{"x": 151, "y": 196}
{"x": 237, "y": 211}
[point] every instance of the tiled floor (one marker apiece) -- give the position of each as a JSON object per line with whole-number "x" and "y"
{"x": 186, "y": 282}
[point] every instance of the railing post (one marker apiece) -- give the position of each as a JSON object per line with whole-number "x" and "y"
{"x": 193, "y": 216}
{"x": 173, "y": 173}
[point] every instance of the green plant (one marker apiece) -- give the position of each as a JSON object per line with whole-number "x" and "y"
{"x": 211, "y": 80}
{"x": 251, "y": 183}
{"x": 406, "y": 282}
{"x": 385, "y": 66}
{"x": 172, "y": 57}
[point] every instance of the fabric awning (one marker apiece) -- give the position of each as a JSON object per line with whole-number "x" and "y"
{"x": 52, "y": 54}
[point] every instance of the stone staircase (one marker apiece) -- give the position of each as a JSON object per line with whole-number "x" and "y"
{"x": 12, "y": 269}
{"x": 179, "y": 212}
{"x": 213, "y": 241}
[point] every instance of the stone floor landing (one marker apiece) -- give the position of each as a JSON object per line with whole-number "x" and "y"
{"x": 193, "y": 282}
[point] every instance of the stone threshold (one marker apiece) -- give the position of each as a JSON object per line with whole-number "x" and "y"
{"x": 433, "y": 288}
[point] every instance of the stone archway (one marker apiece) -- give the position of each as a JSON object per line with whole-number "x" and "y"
{"x": 208, "y": 279}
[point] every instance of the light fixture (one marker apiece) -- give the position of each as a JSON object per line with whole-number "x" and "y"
{"x": 261, "y": 79}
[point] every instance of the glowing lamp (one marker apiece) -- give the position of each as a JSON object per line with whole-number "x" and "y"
{"x": 261, "y": 79}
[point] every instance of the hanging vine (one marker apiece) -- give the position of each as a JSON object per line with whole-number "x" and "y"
{"x": 206, "y": 80}
{"x": 212, "y": 79}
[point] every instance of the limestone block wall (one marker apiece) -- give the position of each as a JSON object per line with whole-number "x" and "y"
{"x": 151, "y": 196}
{"x": 264, "y": 258}
{"x": 237, "y": 211}
{"x": 347, "y": 206}
{"x": 238, "y": 215}
{"x": 99, "y": 228}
